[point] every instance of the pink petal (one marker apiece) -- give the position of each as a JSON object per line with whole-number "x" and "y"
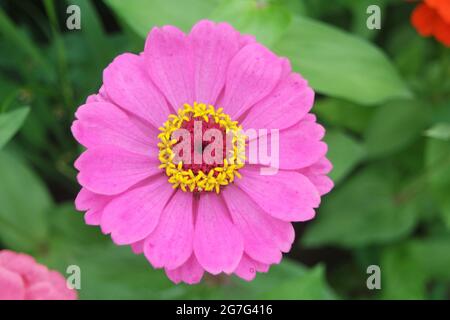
{"x": 246, "y": 39}
{"x": 308, "y": 128}
{"x": 218, "y": 245}
{"x": 213, "y": 46}
{"x": 87, "y": 199}
{"x": 190, "y": 272}
{"x": 93, "y": 217}
{"x": 316, "y": 173}
{"x": 138, "y": 247}
{"x": 261, "y": 267}
{"x": 300, "y": 145}
{"x": 109, "y": 170}
{"x": 59, "y": 284}
{"x": 129, "y": 86}
{"x": 101, "y": 96}
{"x": 102, "y": 123}
{"x": 21, "y": 276}
{"x": 133, "y": 215}
{"x": 11, "y": 285}
{"x": 94, "y": 98}
{"x": 264, "y": 236}
{"x": 248, "y": 267}
{"x": 41, "y": 291}
{"x": 322, "y": 166}
{"x": 93, "y": 204}
{"x": 253, "y": 73}
{"x": 54, "y": 289}
{"x": 286, "y": 195}
{"x": 283, "y": 107}
{"x": 169, "y": 63}
{"x": 24, "y": 265}
{"x": 310, "y": 117}
{"x": 170, "y": 244}
{"x": 323, "y": 184}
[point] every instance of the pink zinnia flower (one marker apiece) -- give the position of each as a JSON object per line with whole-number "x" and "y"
{"x": 22, "y": 278}
{"x": 191, "y": 218}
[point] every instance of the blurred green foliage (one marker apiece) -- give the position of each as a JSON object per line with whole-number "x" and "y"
{"x": 383, "y": 95}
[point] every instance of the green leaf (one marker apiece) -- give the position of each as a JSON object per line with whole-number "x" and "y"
{"x": 344, "y": 152}
{"x": 402, "y": 276}
{"x": 343, "y": 114}
{"x": 266, "y": 20}
{"x": 24, "y": 205}
{"x": 432, "y": 255}
{"x": 363, "y": 211}
{"x": 339, "y": 64}
{"x": 142, "y": 15}
{"x": 394, "y": 126}
{"x": 21, "y": 41}
{"x": 439, "y": 131}
{"x": 309, "y": 286}
{"x": 34, "y": 130}
{"x": 10, "y": 123}
{"x": 438, "y": 166}
{"x": 409, "y": 268}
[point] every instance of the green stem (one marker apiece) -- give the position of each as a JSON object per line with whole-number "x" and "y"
{"x": 61, "y": 54}
{"x": 21, "y": 41}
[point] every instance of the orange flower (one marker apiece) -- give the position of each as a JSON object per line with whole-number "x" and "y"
{"x": 432, "y": 18}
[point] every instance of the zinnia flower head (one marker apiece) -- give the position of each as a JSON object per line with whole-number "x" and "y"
{"x": 22, "y": 278}
{"x": 432, "y": 18}
{"x": 230, "y": 214}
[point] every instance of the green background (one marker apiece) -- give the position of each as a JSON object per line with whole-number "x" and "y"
{"x": 383, "y": 95}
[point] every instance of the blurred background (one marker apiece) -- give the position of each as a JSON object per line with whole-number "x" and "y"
{"x": 382, "y": 94}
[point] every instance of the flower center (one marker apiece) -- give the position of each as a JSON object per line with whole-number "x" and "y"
{"x": 201, "y": 149}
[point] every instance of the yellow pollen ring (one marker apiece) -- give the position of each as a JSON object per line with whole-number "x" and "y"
{"x": 217, "y": 177}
